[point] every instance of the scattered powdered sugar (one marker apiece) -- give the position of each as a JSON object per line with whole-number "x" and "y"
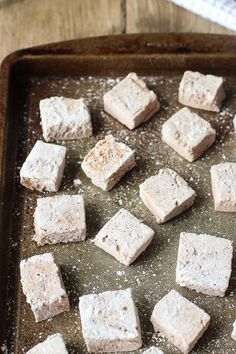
{"x": 77, "y": 182}
{"x": 87, "y": 269}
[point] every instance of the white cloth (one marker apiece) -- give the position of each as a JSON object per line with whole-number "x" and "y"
{"x": 222, "y": 12}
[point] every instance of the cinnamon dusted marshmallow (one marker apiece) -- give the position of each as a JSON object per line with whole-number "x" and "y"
{"x": 188, "y": 134}
{"x": 153, "y": 350}
{"x": 65, "y": 118}
{"x": 43, "y": 286}
{"x": 179, "y": 320}
{"x": 166, "y": 195}
{"x": 201, "y": 91}
{"x": 54, "y": 344}
{"x": 43, "y": 168}
{"x": 131, "y": 102}
{"x": 124, "y": 237}
{"x": 59, "y": 219}
{"x": 233, "y": 334}
{"x": 223, "y": 184}
{"x": 204, "y": 263}
{"x": 110, "y": 322}
{"x": 108, "y": 162}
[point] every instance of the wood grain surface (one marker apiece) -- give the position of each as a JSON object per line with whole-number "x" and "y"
{"x": 25, "y": 23}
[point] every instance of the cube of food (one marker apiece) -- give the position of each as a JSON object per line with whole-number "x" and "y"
{"x": 43, "y": 168}
{"x": 204, "y": 263}
{"x": 188, "y": 134}
{"x": 166, "y": 195}
{"x": 110, "y": 322}
{"x": 65, "y": 119}
{"x": 54, "y": 344}
{"x": 234, "y": 122}
{"x": 179, "y": 320}
{"x": 233, "y": 334}
{"x": 153, "y": 350}
{"x": 131, "y": 102}
{"x": 108, "y": 162}
{"x": 223, "y": 184}
{"x": 59, "y": 219}
{"x": 201, "y": 91}
{"x": 43, "y": 286}
{"x": 124, "y": 237}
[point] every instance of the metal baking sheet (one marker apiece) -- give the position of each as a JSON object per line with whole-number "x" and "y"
{"x": 88, "y": 68}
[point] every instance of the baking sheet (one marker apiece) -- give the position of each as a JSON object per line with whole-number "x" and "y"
{"x": 86, "y": 268}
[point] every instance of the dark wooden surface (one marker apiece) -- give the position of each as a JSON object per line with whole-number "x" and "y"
{"x": 26, "y": 23}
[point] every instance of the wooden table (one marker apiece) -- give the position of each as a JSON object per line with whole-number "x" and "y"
{"x": 25, "y": 23}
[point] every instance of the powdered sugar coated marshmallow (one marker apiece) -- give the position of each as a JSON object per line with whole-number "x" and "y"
{"x": 204, "y": 263}
{"x": 201, "y": 91}
{"x": 179, "y": 320}
{"x": 54, "y": 344}
{"x": 65, "y": 118}
{"x": 124, "y": 237}
{"x": 166, "y": 195}
{"x": 43, "y": 286}
{"x": 59, "y": 219}
{"x": 110, "y": 322}
{"x": 188, "y": 134}
{"x": 43, "y": 168}
{"x": 131, "y": 102}
{"x": 223, "y": 184}
{"x": 108, "y": 162}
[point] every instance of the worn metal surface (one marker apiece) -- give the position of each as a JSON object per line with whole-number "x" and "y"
{"x": 86, "y": 268}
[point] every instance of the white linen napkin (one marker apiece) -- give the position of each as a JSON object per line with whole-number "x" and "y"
{"x": 222, "y": 12}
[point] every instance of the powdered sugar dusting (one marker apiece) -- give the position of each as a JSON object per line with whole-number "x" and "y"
{"x": 87, "y": 269}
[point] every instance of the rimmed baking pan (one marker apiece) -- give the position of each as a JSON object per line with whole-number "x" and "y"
{"x": 88, "y": 68}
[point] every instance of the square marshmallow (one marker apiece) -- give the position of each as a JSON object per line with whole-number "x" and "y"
{"x": 131, "y": 102}
{"x": 108, "y": 162}
{"x": 54, "y": 344}
{"x": 43, "y": 286}
{"x": 233, "y": 334}
{"x": 204, "y": 263}
{"x": 124, "y": 237}
{"x": 110, "y": 322}
{"x": 65, "y": 118}
{"x": 59, "y": 219}
{"x": 43, "y": 168}
{"x": 179, "y": 320}
{"x": 153, "y": 350}
{"x": 166, "y": 195}
{"x": 223, "y": 184}
{"x": 201, "y": 91}
{"x": 188, "y": 134}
